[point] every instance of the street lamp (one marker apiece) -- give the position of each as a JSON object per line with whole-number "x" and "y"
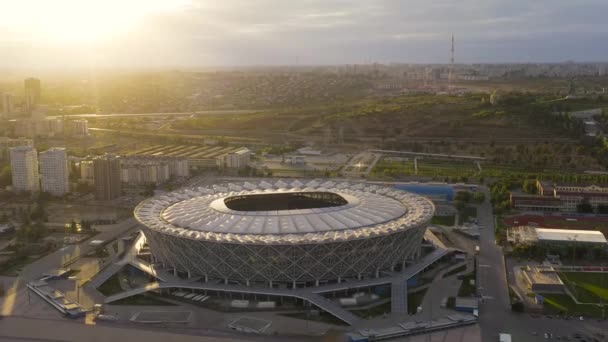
{"x": 75, "y": 278}
{"x": 573, "y": 239}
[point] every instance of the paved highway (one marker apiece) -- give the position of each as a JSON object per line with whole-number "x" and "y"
{"x": 202, "y": 112}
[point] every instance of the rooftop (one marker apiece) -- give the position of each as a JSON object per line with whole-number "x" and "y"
{"x": 542, "y": 275}
{"x": 550, "y": 234}
{"x": 330, "y": 211}
{"x": 527, "y": 234}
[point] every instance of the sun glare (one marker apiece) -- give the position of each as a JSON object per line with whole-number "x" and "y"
{"x": 79, "y": 20}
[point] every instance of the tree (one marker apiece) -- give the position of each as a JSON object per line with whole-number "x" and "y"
{"x": 584, "y": 207}
{"x": 72, "y": 228}
{"x": 32, "y": 233}
{"x": 517, "y": 306}
{"x": 86, "y": 226}
{"x": 529, "y": 186}
{"x": 38, "y": 213}
{"x": 602, "y": 209}
{"x": 479, "y": 197}
{"x": 6, "y": 176}
{"x": 463, "y": 196}
{"x": 460, "y": 205}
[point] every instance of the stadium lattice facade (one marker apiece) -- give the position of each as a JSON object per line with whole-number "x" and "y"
{"x": 290, "y": 232}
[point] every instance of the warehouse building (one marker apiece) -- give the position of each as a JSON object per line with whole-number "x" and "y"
{"x": 549, "y": 236}
{"x": 199, "y": 157}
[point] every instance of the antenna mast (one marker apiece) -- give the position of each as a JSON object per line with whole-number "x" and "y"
{"x": 451, "y": 72}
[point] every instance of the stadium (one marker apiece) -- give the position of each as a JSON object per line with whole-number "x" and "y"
{"x": 285, "y": 233}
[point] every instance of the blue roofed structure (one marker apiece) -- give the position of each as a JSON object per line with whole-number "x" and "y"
{"x": 433, "y": 191}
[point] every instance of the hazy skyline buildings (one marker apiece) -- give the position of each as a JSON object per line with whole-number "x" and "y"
{"x": 32, "y": 93}
{"x": 8, "y": 104}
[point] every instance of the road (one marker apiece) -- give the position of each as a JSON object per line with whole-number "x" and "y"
{"x": 495, "y": 313}
{"x": 125, "y": 115}
{"x": 61, "y": 329}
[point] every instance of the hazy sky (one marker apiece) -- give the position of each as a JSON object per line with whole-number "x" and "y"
{"x": 174, "y": 33}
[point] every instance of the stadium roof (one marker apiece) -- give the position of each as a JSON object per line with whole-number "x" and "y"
{"x": 591, "y": 236}
{"x": 201, "y": 213}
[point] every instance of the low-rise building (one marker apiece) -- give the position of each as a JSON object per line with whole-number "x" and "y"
{"x": 140, "y": 170}
{"x": 536, "y": 203}
{"x": 235, "y": 160}
{"x": 190, "y": 156}
{"x": 561, "y": 197}
{"x": 542, "y": 279}
{"x": 562, "y": 242}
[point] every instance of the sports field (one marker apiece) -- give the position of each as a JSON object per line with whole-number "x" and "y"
{"x": 587, "y": 287}
{"x": 562, "y": 303}
{"x": 388, "y": 166}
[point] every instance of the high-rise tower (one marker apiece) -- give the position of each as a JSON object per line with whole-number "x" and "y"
{"x": 451, "y": 73}
{"x": 24, "y": 167}
{"x": 106, "y": 170}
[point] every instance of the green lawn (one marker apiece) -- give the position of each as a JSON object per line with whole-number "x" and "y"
{"x": 443, "y": 220}
{"x": 564, "y": 304}
{"x": 393, "y": 168}
{"x": 466, "y": 288}
{"x": 466, "y": 214}
{"x": 587, "y": 286}
{"x": 446, "y": 168}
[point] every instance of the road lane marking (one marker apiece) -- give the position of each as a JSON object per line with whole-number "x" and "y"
{"x": 486, "y": 266}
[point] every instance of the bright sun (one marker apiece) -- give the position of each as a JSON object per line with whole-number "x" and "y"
{"x": 78, "y": 20}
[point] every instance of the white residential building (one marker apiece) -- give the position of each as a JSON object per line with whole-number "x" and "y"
{"x": 54, "y": 171}
{"x": 24, "y": 167}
